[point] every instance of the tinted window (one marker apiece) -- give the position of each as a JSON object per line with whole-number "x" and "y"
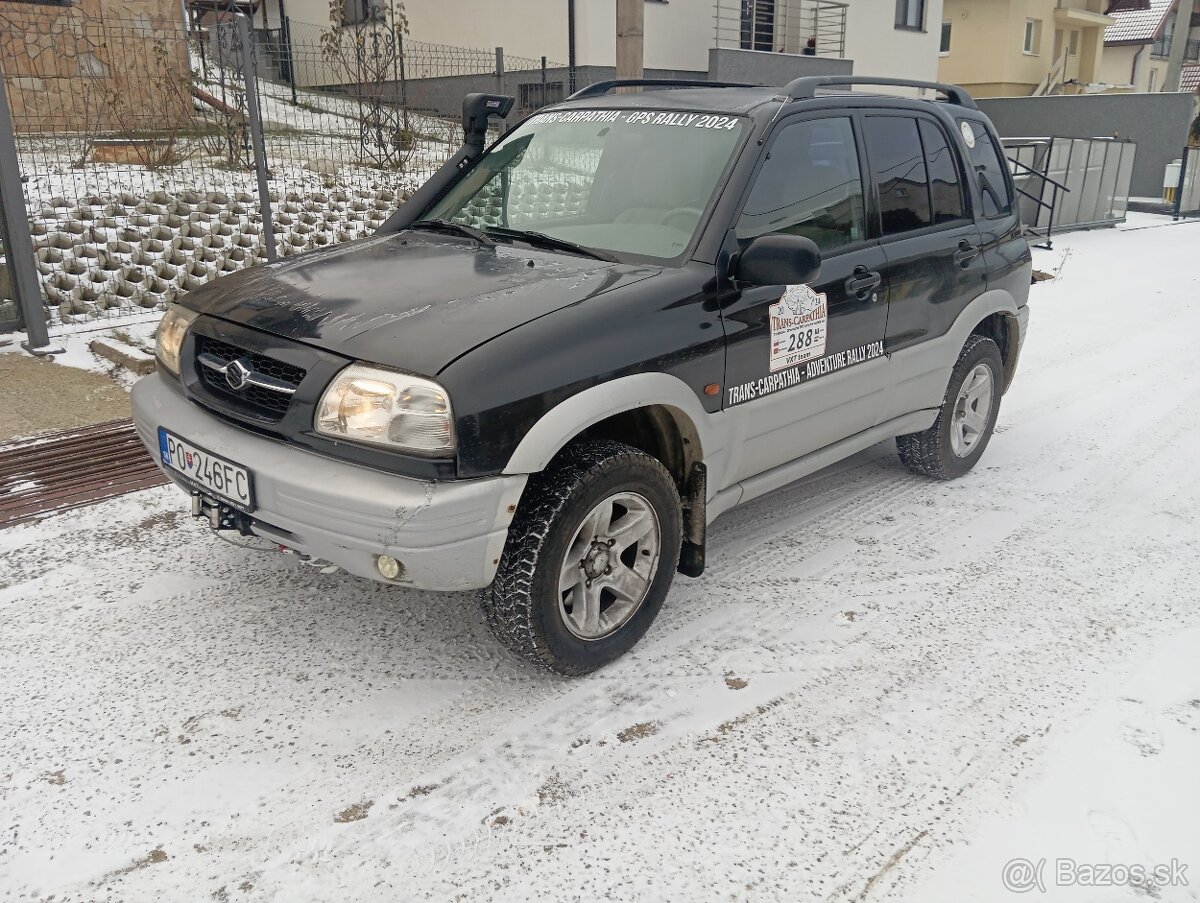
{"x": 987, "y": 161}
{"x": 809, "y": 185}
{"x": 894, "y": 149}
{"x": 945, "y": 192}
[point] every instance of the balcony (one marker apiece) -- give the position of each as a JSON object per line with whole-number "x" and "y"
{"x": 1161, "y": 49}
{"x": 803, "y": 27}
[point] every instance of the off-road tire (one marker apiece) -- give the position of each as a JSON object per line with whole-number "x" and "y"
{"x": 522, "y": 604}
{"x": 929, "y": 453}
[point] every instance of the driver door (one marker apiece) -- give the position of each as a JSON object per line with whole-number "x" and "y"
{"x": 788, "y": 401}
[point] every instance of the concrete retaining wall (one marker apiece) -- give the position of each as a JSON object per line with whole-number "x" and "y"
{"x": 1157, "y": 123}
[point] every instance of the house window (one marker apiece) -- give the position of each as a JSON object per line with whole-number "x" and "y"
{"x": 758, "y": 24}
{"x": 1033, "y": 36}
{"x": 910, "y": 14}
{"x": 356, "y": 12}
{"x": 1073, "y": 46}
{"x": 945, "y": 47}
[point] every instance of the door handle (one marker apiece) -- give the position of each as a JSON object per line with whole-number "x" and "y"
{"x": 965, "y": 254}
{"x": 863, "y": 282}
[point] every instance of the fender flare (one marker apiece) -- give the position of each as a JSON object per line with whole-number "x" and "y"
{"x": 569, "y": 418}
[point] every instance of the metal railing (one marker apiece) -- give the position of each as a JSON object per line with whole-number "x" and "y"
{"x": 148, "y": 158}
{"x": 805, "y": 27}
{"x": 1162, "y": 49}
{"x": 1071, "y": 183}
{"x": 1187, "y": 190}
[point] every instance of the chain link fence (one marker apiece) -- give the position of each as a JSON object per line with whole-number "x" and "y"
{"x": 136, "y": 145}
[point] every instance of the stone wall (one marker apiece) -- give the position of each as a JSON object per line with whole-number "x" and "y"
{"x": 98, "y": 66}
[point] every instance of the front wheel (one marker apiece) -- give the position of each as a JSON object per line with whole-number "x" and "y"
{"x": 950, "y": 447}
{"x": 589, "y": 560}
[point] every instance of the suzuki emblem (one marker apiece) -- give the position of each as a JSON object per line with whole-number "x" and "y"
{"x": 236, "y": 375}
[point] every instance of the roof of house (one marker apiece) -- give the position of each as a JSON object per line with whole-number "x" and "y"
{"x": 1138, "y": 26}
{"x": 1189, "y": 78}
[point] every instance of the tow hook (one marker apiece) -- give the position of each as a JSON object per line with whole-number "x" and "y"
{"x": 219, "y": 515}
{"x": 325, "y": 567}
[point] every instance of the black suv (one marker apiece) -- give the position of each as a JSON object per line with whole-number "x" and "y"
{"x": 565, "y": 355}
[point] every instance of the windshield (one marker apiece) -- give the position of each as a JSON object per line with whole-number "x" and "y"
{"x": 625, "y": 181}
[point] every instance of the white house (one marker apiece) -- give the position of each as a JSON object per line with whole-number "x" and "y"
{"x": 896, "y": 38}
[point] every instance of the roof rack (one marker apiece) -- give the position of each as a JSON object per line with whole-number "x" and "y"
{"x": 806, "y": 88}
{"x": 598, "y": 89}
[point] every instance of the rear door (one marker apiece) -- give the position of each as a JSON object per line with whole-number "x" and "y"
{"x": 788, "y": 379}
{"x": 932, "y": 246}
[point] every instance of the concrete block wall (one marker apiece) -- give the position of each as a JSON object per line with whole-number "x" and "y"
{"x": 1157, "y": 123}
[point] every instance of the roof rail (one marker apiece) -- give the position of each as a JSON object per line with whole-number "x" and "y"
{"x": 598, "y": 89}
{"x": 806, "y": 88}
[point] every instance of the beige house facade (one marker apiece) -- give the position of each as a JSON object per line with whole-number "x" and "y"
{"x": 1012, "y": 48}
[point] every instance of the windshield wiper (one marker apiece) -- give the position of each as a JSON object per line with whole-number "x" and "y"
{"x": 441, "y": 225}
{"x": 542, "y": 240}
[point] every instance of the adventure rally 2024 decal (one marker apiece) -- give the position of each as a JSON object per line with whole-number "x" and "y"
{"x": 799, "y": 330}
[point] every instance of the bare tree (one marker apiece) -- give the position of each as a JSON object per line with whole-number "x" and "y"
{"x": 366, "y": 57}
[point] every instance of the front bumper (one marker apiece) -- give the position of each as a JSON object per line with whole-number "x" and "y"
{"x": 447, "y": 534}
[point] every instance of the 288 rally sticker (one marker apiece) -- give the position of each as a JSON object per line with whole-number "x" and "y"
{"x": 798, "y": 327}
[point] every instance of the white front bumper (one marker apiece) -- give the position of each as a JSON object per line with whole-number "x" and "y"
{"x": 448, "y": 534}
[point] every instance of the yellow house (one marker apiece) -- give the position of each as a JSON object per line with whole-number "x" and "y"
{"x": 1011, "y": 48}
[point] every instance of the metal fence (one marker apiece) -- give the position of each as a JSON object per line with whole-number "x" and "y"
{"x": 1186, "y": 195}
{"x": 152, "y": 157}
{"x": 1095, "y": 173}
{"x": 807, "y": 27}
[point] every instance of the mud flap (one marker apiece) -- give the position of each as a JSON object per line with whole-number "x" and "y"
{"x": 695, "y": 495}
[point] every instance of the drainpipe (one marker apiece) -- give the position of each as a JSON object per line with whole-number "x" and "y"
{"x": 1137, "y": 63}
{"x": 570, "y": 47}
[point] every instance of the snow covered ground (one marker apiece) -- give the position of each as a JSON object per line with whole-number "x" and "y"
{"x": 884, "y": 688}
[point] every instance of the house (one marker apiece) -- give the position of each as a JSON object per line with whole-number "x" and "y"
{"x": 94, "y": 65}
{"x": 1137, "y": 44}
{"x": 764, "y": 41}
{"x": 1011, "y": 48}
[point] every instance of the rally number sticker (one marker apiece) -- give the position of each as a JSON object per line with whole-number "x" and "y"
{"x": 798, "y": 327}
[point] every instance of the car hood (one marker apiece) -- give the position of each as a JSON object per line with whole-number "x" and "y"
{"x": 411, "y": 300}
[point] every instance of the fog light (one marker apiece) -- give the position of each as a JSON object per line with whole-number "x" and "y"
{"x": 389, "y": 568}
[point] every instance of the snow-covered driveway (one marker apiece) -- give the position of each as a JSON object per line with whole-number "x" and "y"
{"x": 883, "y": 688}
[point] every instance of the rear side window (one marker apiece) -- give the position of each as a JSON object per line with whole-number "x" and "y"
{"x": 810, "y": 185}
{"x": 901, "y": 179}
{"x": 945, "y": 190}
{"x": 988, "y": 163}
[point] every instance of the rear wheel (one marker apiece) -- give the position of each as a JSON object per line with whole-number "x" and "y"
{"x": 964, "y": 426}
{"x": 589, "y": 560}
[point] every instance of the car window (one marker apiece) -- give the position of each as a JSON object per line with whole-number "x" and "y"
{"x": 901, "y": 179}
{"x": 945, "y": 189}
{"x": 809, "y": 185}
{"x": 987, "y": 161}
{"x": 625, "y": 181}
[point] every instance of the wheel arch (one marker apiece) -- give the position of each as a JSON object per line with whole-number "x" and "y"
{"x": 655, "y": 412}
{"x": 1004, "y": 328}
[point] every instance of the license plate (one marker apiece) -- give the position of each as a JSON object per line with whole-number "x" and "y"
{"x": 207, "y": 471}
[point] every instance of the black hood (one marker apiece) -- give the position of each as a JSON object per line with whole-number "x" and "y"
{"x": 411, "y": 300}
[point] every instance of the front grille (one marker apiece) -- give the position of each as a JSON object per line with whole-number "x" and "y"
{"x": 266, "y": 403}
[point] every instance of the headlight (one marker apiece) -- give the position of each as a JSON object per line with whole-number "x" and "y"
{"x": 383, "y": 407}
{"x": 169, "y": 337}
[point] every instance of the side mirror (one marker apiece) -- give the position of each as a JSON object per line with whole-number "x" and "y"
{"x": 779, "y": 259}
{"x": 477, "y": 109}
